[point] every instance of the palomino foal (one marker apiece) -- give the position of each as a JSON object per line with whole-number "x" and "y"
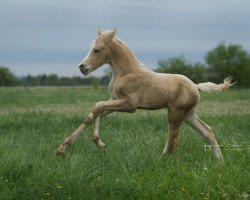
{"x": 134, "y": 86}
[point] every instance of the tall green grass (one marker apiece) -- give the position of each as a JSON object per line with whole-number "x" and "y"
{"x": 34, "y": 121}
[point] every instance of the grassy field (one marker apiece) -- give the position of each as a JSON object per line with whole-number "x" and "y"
{"x": 34, "y": 121}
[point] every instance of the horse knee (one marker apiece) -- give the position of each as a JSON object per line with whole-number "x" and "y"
{"x": 96, "y": 110}
{"x": 89, "y": 119}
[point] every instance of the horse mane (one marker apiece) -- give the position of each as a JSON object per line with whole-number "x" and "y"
{"x": 129, "y": 51}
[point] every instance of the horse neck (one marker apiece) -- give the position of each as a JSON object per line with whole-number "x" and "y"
{"x": 123, "y": 60}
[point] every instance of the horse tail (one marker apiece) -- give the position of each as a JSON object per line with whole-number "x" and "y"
{"x": 212, "y": 87}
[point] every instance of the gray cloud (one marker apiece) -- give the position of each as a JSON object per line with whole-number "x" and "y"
{"x": 43, "y": 36}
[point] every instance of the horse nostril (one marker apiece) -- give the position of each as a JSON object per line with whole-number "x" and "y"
{"x": 82, "y": 66}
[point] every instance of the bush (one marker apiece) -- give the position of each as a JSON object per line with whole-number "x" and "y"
{"x": 178, "y": 65}
{"x": 7, "y": 78}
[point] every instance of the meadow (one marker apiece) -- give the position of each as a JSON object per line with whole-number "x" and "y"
{"x": 34, "y": 121}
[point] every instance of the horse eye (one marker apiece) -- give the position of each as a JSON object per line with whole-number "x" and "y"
{"x": 96, "y": 50}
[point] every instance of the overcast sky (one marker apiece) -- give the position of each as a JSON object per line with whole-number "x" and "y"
{"x": 53, "y": 36}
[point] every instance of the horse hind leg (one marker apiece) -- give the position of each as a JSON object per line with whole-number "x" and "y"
{"x": 205, "y": 131}
{"x": 172, "y": 141}
{"x": 174, "y": 123}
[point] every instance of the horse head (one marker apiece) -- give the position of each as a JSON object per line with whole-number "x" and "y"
{"x": 99, "y": 53}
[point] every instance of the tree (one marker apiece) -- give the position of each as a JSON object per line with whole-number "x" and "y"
{"x": 52, "y": 79}
{"x": 179, "y": 65}
{"x": 229, "y": 60}
{"x": 7, "y": 78}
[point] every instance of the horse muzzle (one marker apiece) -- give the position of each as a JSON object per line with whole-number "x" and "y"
{"x": 84, "y": 69}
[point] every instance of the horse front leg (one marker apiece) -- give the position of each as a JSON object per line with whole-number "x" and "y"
{"x": 95, "y": 134}
{"x": 71, "y": 138}
{"x": 95, "y": 137}
{"x": 102, "y": 108}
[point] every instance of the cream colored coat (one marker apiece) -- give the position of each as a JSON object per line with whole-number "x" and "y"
{"x": 133, "y": 86}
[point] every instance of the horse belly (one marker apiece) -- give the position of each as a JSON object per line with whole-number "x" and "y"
{"x": 166, "y": 90}
{"x": 153, "y": 99}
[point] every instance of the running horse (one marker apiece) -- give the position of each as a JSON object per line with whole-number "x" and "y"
{"x": 133, "y": 86}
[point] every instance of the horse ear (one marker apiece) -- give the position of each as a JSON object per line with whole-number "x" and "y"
{"x": 111, "y": 34}
{"x": 99, "y": 30}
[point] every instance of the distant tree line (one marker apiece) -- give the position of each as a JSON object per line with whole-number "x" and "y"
{"x": 55, "y": 80}
{"x": 222, "y": 61}
{"x": 7, "y": 78}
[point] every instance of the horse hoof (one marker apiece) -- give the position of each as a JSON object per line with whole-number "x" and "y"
{"x": 221, "y": 160}
{"x": 163, "y": 155}
{"x": 60, "y": 153}
{"x": 166, "y": 153}
{"x": 103, "y": 147}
